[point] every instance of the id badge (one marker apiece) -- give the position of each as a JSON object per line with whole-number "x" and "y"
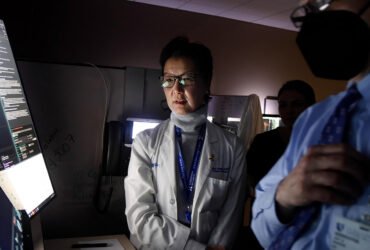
{"x": 350, "y": 235}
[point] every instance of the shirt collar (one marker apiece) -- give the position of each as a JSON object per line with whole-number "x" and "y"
{"x": 363, "y": 87}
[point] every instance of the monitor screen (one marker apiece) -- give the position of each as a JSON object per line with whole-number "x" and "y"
{"x": 271, "y": 122}
{"x": 133, "y": 126}
{"x": 23, "y": 174}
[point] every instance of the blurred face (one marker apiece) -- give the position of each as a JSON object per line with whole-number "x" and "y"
{"x": 291, "y": 105}
{"x": 353, "y": 6}
{"x": 326, "y": 41}
{"x": 184, "y": 99}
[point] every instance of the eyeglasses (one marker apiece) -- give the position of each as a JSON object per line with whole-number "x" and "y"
{"x": 184, "y": 80}
{"x": 299, "y": 14}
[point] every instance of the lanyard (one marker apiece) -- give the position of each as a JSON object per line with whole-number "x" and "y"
{"x": 189, "y": 181}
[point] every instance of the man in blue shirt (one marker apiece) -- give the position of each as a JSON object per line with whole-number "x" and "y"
{"x": 333, "y": 178}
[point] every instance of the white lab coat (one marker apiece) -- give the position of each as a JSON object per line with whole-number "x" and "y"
{"x": 150, "y": 190}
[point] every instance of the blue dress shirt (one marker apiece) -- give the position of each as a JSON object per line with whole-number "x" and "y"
{"x": 306, "y": 133}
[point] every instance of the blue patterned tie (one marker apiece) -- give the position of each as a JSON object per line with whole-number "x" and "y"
{"x": 335, "y": 129}
{"x": 333, "y": 132}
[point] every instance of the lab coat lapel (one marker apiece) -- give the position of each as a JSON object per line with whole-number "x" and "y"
{"x": 169, "y": 159}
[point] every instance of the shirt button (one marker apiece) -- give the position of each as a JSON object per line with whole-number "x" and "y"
{"x": 172, "y": 201}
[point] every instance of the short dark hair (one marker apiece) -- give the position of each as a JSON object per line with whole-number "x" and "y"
{"x": 301, "y": 87}
{"x": 198, "y": 53}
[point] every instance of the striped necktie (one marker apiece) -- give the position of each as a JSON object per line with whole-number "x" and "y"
{"x": 334, "y": 132}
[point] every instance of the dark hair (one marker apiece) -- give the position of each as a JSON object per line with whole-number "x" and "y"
{"x": 301, "y": 87}
{"x": 198, "y": 53}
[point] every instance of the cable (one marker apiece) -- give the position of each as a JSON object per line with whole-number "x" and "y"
{"x": 101, "y": 134}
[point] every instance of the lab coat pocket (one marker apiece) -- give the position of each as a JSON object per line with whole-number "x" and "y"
{"x": 215, "y": 193}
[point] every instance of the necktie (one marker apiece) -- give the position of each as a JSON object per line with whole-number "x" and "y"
{"x": 334, "y": 132}
{"x": 335, "y": 129}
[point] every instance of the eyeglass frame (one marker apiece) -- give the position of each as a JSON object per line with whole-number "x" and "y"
{"x": 307, "y": 9}
{"x": 316, "y": 7}
{"x": 181, "y": 79}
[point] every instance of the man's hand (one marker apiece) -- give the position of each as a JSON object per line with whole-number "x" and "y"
{"x": 333, "y": 174}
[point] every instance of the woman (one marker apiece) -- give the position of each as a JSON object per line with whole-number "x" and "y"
{"x": 186, "y": 180}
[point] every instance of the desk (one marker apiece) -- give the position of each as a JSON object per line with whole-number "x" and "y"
{"x": 66, "y": 243}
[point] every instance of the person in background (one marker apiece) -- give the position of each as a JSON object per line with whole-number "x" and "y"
{"x": 317, "y": 195}
{"x": 186, "y": 177}
{"x": 293, "y": 98}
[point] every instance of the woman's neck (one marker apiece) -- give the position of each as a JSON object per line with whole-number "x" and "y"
{"x": 191, "y": 121}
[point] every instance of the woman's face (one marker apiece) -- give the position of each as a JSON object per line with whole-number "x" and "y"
{"x": 291, "y": 105}
{"x": 184, "y": 99}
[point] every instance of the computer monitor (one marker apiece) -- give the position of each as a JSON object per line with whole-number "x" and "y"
{"x": 271, "y": 122}
{"x": 23, "y": 174}
{"x": 134, "y": 125}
